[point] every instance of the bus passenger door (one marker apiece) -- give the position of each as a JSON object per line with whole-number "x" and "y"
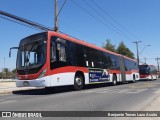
{"x": 122, "y": 68}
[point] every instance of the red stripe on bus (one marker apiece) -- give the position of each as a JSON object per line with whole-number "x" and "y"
{"x": 84, "y": 70}
{"x": 69, "y": 69}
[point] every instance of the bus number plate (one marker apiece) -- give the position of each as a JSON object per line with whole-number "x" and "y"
{"x": 26, "y": 83}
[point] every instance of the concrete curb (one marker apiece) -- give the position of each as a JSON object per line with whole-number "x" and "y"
{"x": 7, "y": 80}
{"x": 11, "y": 91}
{"x": 9, "y": 87}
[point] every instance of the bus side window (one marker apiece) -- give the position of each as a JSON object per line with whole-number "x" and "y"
{"x": 62, "y": 52}
{"x": 53, "y": 52}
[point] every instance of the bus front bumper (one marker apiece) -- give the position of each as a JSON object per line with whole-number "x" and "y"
{"x": 31, "y": 83}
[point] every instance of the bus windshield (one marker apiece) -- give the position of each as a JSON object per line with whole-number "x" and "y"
{"x": 144, "y": 70}
{"x": 31, "y": 54}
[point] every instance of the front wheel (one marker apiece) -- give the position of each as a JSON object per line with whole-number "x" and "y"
{"x": 78, "y": 82}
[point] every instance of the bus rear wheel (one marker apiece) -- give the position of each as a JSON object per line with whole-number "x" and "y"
{"x": 78, "y": 82}
{"x": 134, "y": 79}
{"x": 114, "y": 82}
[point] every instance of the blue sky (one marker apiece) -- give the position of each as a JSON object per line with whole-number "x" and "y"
{"x": 137, "y": 20}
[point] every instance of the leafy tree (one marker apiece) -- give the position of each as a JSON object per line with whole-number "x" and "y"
{"x": 6, "y": 73}
{"x": 14, "y": 73}
{"x": 123, "y": 50}
{"x": 109, "y": 46}
{"x": 1, "y": 75}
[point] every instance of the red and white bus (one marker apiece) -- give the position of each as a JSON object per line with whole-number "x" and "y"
{"x": 53, "y": 59}
{"x": 148, "y": 72}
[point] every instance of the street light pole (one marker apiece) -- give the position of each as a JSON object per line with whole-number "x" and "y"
{"x": 4, "y": 69}
{"x": 144, "y": 48}
{"x": 136, "y": 42}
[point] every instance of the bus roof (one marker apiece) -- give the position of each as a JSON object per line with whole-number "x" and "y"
{"x": 72, "y": 39}
{"x": 146, "y": 65}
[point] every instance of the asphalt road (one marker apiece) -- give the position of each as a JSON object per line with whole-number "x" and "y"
{"x": 125, "y": 97}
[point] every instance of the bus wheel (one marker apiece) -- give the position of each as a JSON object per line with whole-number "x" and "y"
{"x": 114, "y": 82}
{"x": 78, "y": 82}
{"x": 151, "y": 77}
{"x": 50, "y": 89}
{"x": 134, "y": 78}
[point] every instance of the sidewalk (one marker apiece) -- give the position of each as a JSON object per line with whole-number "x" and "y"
{"x": 7, "y": 87}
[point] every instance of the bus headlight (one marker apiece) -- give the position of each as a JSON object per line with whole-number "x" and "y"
{"x": 42, "y": 73}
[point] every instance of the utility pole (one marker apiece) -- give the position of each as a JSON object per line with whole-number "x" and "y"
{"x": 136, "y": 42}
{"x": 158, "y": 62}
{"x": 4, "y": 69}
{"x": 4, "y": 63}
{"x": 56, "y": 16}
{"x": 145, "y": 60}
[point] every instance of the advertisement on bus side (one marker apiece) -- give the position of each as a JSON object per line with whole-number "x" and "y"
{"x": 98, "y": 75}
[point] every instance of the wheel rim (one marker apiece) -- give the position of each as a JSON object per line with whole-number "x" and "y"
{"x": 78, "y": 82}
{"x": 114, "y": 82}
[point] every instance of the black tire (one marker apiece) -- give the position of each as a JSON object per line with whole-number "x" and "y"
{"x": 78, "y": 82}
{"x": 50, "y": 89}
{"x": 114, "y": 82}
{"x": 134, "y": 79}
{"x": 152, "y": 78}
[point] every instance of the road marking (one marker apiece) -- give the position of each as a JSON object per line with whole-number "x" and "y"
{"x": 117, "y": 91}
{"x": 108, "y": 91}
{"x": 93, "y": 91}
{"x": 136, "y": 90}
{"x": 157, "y": 91}
{"x": 124, "y": 90}
{"x": 88, "y": 91}
{"x": 8, "y": 101}
{"x": 144, "y": 85}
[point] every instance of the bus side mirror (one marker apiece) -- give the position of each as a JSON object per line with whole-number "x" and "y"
{"x": 9, "y": 53}
{"x": 11, "y": 49}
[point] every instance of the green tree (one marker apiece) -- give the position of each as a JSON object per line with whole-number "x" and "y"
{"x": 6, "y": 72}
{"x": 14, "y": 73}
{"x": 109, "y": 46}
{"x": 123, "y": 50}
{"x": 1, "y": 75}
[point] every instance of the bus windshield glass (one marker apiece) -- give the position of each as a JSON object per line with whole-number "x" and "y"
{"x": 144, "y": 70}
{"x": 31, "y": 54}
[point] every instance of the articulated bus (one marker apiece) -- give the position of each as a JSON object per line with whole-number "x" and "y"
{"x": 148, "y": 72}
{"x": 52, "y": 59}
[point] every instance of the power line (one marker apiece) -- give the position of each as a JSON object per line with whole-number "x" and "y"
{"x": 107, "y": 14}
{"x": 61, "y": 7}
{"x": 57, "y": 14}
{"x": 99, "y": 13}
{"x": 28, "y": 22}
{"x": 20, "y": 23}
{"x": 75, "y": 29}
{"x": 98, "y": 19}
